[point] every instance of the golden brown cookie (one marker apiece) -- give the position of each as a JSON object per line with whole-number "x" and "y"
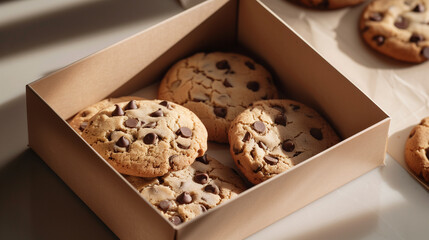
{"x": 147, "y": 138}
{"x": 417, "y": 150}
{"x": 397, "y": 28}
{"x": 217, "y": 87}
{"x": 274, "y": 135}
{"x": 328, "y": 4}
{"x": 182, "y": 195}
{"x": 80, "y": 120}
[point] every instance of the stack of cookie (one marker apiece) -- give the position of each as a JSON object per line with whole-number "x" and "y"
{"x": 160, "y": 145}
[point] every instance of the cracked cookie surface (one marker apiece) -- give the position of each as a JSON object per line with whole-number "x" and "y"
{"x": 182, "y": 195}
{"x": 147, "y": 138}
{"x": 397, "y": 28}
{"x": 417, "y": 150}
{"x": 274, "y": 135}
{"x": 81, "y": 119}
{"x": 217, "y": 87}
{"x": 328, "y": 4}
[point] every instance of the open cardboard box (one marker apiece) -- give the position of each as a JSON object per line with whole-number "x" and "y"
{"x": 143, "y": 59}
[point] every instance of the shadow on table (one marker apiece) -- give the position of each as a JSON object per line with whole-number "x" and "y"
{"x": 13, "y": 128}
{"x": 36, "y": 204}
{"x": 86, "y": 18}
{"x": 350, "y": 42}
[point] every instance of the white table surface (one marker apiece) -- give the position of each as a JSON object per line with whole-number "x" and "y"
{"x": 41, "y": 36}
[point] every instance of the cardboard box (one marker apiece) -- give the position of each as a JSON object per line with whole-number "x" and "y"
{"x": 143, "y": 59}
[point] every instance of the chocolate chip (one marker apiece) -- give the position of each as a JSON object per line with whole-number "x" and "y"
{"x": 316, "y": 133}
{"x": 226, "y": 83}
{"x": 172, "y": 159}
{"x": 222, "y": 65}
{"x": 278, "y": 108}
{"x": 237, "y": 151}
{"x": 201, "y": 178}
{"x": 262, "y": 145}
{"x": 211, "y": 188}
{"x": 83, "y": 125}
{"x": 203, "y": 159}
{"x": 271, "y": 160}
{"x": 184, "y": 132}
{"x": 427, "y": 153}
{"x": 122, "y": 142}
{"x": 131, "y": 105}
{"x": 150, "y": 138}
{"x": 157, "y": 113}
{"x": 254, "y": 86}
{"x": 166, "y": 104}
{"x": 259, "y": 127}
{"x": 84, "y": 114}
{"x": 246, "y": 137}
{"x": 220, "y": 111}
{"x": 416, "y": 38}
{"x": 288, "y": 146}
{"x": 149, "y": 125}
{"x": 259, "y": 168}
{"x": 379, "y": 39}
{"x": 295, "y": 107}
{"x": 425, "y": 52}
{"x": 250, "y": 65}
{"x": 281, "y": 119}
{"x": 160, "y": 180}
{"x": 419, "y": 8}
{"x": 165, "y": 205}
{"x": 176, "y": 220}
{"x": 401, "y": 22}
{"x": 323, "y": 4}
{"x": 132, "y": 122}
{"x": 376, "y": 16}
{"x": 118, "y": 111}
{"x": 253, "y": 153}
{"x": 198, "y": 99}
{"x": 184, "y": 198}
{"x": 183, "y": 146}
{"x": 296, "y": 154}
{"x": 203, "y": 209}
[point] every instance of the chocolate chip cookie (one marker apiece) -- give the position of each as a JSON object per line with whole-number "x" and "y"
{"x": 397, "y": 28}
{"x": 417, "y": 150}
{"x": 274, "y": 135}
{"x": 328, "y": 4}
{"x": 80, "y": 120}
{"x": 217, "y": 87}
{"x": 182, "y": 195}
{"x": 147, "y": 138}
